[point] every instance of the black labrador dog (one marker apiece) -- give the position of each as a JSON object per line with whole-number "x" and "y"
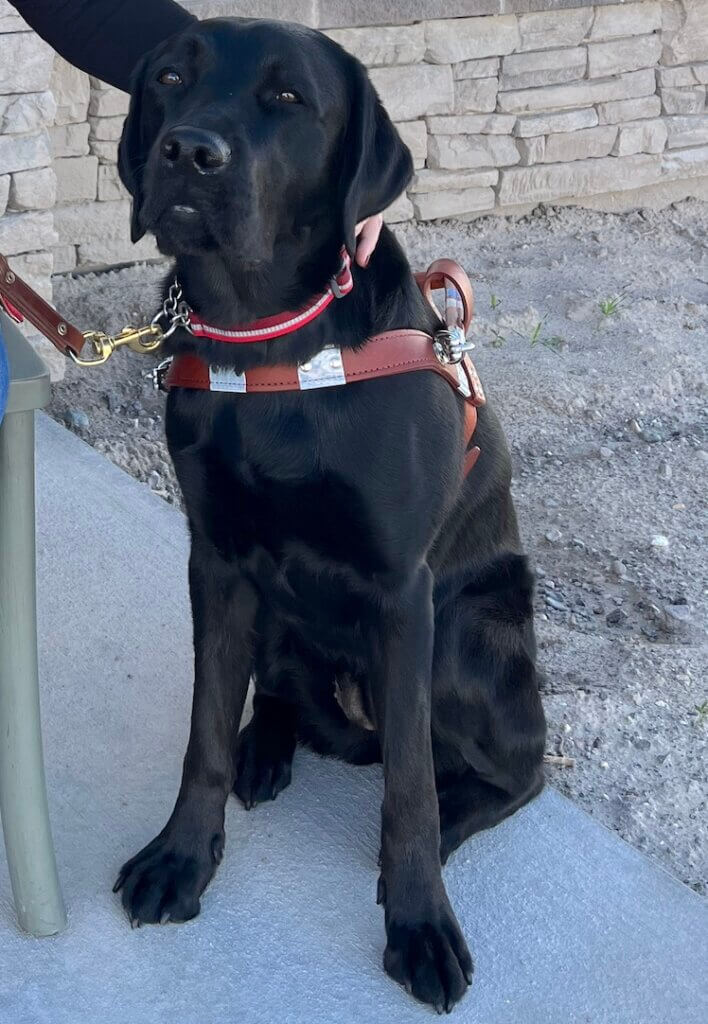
{"x": 381, "y": 603}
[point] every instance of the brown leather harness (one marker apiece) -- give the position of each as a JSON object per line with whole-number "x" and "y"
{"x": 383, "y": 355}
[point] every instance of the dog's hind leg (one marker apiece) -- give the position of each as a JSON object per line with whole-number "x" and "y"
{"x": 264, "y": 751}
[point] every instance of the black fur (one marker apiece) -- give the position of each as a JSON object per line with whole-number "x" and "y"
{"x": 337, "y": 554}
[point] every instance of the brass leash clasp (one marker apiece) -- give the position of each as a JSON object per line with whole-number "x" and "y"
{"x": 138, "y": 339}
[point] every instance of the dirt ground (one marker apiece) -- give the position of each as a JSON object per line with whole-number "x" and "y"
{"x": 592, "y": 334}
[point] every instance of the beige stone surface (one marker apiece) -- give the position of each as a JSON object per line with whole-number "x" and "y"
{"x": 25, "y": 63}
{"x": 399, "y": 210}
{"x": 686, "y": 131}
{"x": 64, "y": 258}
{"x": 449, "y": 203}
{"x": 76, "y": 178}
{"x": 107, "y": 152}
{"x": 471, "y": 124}
{"x": 108, "y": 103}
{"x": 459, "y": 39}
{"x": 484, "y": 67}
{"x": 533, "y": 150}
{"x": 546, "y": 182}
{"x": 689, "y": 41}
{"x": 33, "y": 190}
{"x": 641, "y": 137}
{"x": 628, "y": 110}
{"x": 546, "y": 29}
{"x": 71, "y": 92}
{"x": 459, "y": 152}
{"x": 545, "y": 67}
{"x": 26, "y": 232}
{"x": 475, "y": 94}
{"x": 700, "y": 73}
{"x": 684, "y": 101}
{"x": 381, "y": 45}
{"x": 26, "y": 113}
{"x": 682, "y": 163}
{"x": 626, "y": 19}
{"x": 580, "y": 145}
{"x": 88, "y": 222}
{"x": 106, "y": 129}
{"x": 415, "y": 137}
{"x": 106, "y": 252}
{"x": 24, "y": 152}
{"x": 620, "y": 55}
{"x": 563, "y": 121}
{"x": 4, "y": 192}
{"x": 69, "y": 139}
{"x": 675, "y": 77}
{"x": 432, "y": 180}
{"x": 410, "y": 91}
{"x": 580, "y": 94}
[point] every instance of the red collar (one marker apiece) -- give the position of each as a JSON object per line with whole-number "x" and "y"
{"x": 269, "y": 327}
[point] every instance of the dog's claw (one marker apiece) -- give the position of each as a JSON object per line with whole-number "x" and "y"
{"x": 380, "y": 891}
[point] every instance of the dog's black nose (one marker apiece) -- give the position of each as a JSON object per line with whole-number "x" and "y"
{"x": 196, "y": 148}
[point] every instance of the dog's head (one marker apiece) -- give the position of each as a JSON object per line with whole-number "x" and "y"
{"x": 243, "y": 132}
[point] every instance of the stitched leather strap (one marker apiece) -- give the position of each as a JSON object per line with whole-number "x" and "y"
{"x": 17, "y": 297}
{"x": 435, "y": 277}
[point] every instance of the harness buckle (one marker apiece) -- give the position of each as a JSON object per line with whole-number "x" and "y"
{"x": 450, "y": 345}
{"x": 158, "y": 373}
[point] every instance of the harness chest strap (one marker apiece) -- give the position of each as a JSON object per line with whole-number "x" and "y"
{"x": 384, "y": 355}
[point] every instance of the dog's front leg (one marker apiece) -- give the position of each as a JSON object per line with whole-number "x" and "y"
{"x": 165, "y": 880}
{"x": 425, "y": 950}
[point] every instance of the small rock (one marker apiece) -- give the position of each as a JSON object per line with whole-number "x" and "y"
{"x": 653, "y": 436}
{"x": 659, "y": 541}
{"x": 154, "y": 480}
{"x": 616, "y": 617}
{"x": 605, "y": 452}
{"x": 635, "y": 426}
{"x": 553, "y": 535}
{"x": 553, "y": 602}
{"x": 619, "y": 568}
{"x": 665, "y": 471}
{"x": 77, "y": 419}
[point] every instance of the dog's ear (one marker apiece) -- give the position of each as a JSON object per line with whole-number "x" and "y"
{"x": 376, "y": 165}
{"x": 133, "y": 149}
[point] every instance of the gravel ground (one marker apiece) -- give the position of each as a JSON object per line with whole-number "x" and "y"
{"x": 606, "y": 416}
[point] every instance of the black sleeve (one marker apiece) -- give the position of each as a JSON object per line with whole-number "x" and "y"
{"x": 105, "y": 38}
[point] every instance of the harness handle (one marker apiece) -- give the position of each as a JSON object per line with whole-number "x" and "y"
{"x": 437, "y": 276}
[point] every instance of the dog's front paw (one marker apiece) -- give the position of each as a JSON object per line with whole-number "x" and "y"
{"x": 429, "y": 956}
{"x": 163, "y": 883}
{"x": 263, "y": 764}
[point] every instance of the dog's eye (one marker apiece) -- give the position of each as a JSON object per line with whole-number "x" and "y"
{"x": 169, "y": 77}
{"x": 287, "y": 96}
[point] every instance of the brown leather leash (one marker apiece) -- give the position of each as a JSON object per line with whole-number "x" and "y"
{"x": 385, "y": 354}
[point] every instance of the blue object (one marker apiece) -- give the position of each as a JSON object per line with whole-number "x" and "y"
{"x": 4, "y": 375}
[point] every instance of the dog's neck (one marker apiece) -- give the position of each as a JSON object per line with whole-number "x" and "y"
{"x": 384, "y": 297}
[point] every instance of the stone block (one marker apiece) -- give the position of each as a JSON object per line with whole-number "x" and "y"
{"x": 532, "y": 151}
{"x": 36, "y": 269}
{"x": 92, "y": 222}
{"x": 69, "y": 139}
{"x": 415, "y": 136}
{"x": 475, "y": 94}
{"x": 106, "y": 129}
{"x": 108, "y": 252}
{"x": 546, "y": 182}
{"x": 676, "y": 163}
{"x": 4, "y": 192}
{"x": 25, "y": 63}
{"x": 399, "y": 210}
{"x": 460, "y": 152}
{"x": 686, "y": 131}
{"x": 579, "y": 94}
{"x": 412, "y": 90}
{"x": 630, "y": 19}
{"x": 27, "y": 113}
{"x": 628, "y": 110}
{"x": 547, "y": 67}
{"x": 684, "y": 101}
{"x": 10, "y": 20}
{"x": 674, "y": 78}
{"x": 545, "y": 29}
{"x": 24, "y": 152}
{"x": 621, "y": 55}
{"x": 471, "y": 124}
{"x": 71, "y": 92}
{"x": 449, "y": 203}
{"x": 26, "y": 232}
{"x": 580, "y": 145}
{"x": 107, "y": 152}
{"x": 110, "y": 187}
{"x": 303, "y": 11}
{"x": 700, "y": 73}
{"x": 382, "y": 46}
{"x": 547, "y": 124}
{"x": 485, "y": 67}
{"x": 65, "y": 258}
{"x": 641, "y": 137}
{"x": 686, "y": 39}
{"x": 458, "y": 39}
{"x": 108, "y": 103}
{"x": 33, "y": 190}
{"x": 433, "y": 180}
{"x": 77, "y": 178}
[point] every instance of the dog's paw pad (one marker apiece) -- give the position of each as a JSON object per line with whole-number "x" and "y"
{"x": 430, "y": 960}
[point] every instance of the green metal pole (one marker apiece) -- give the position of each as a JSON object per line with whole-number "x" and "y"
{"x": 23, "y": 793}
